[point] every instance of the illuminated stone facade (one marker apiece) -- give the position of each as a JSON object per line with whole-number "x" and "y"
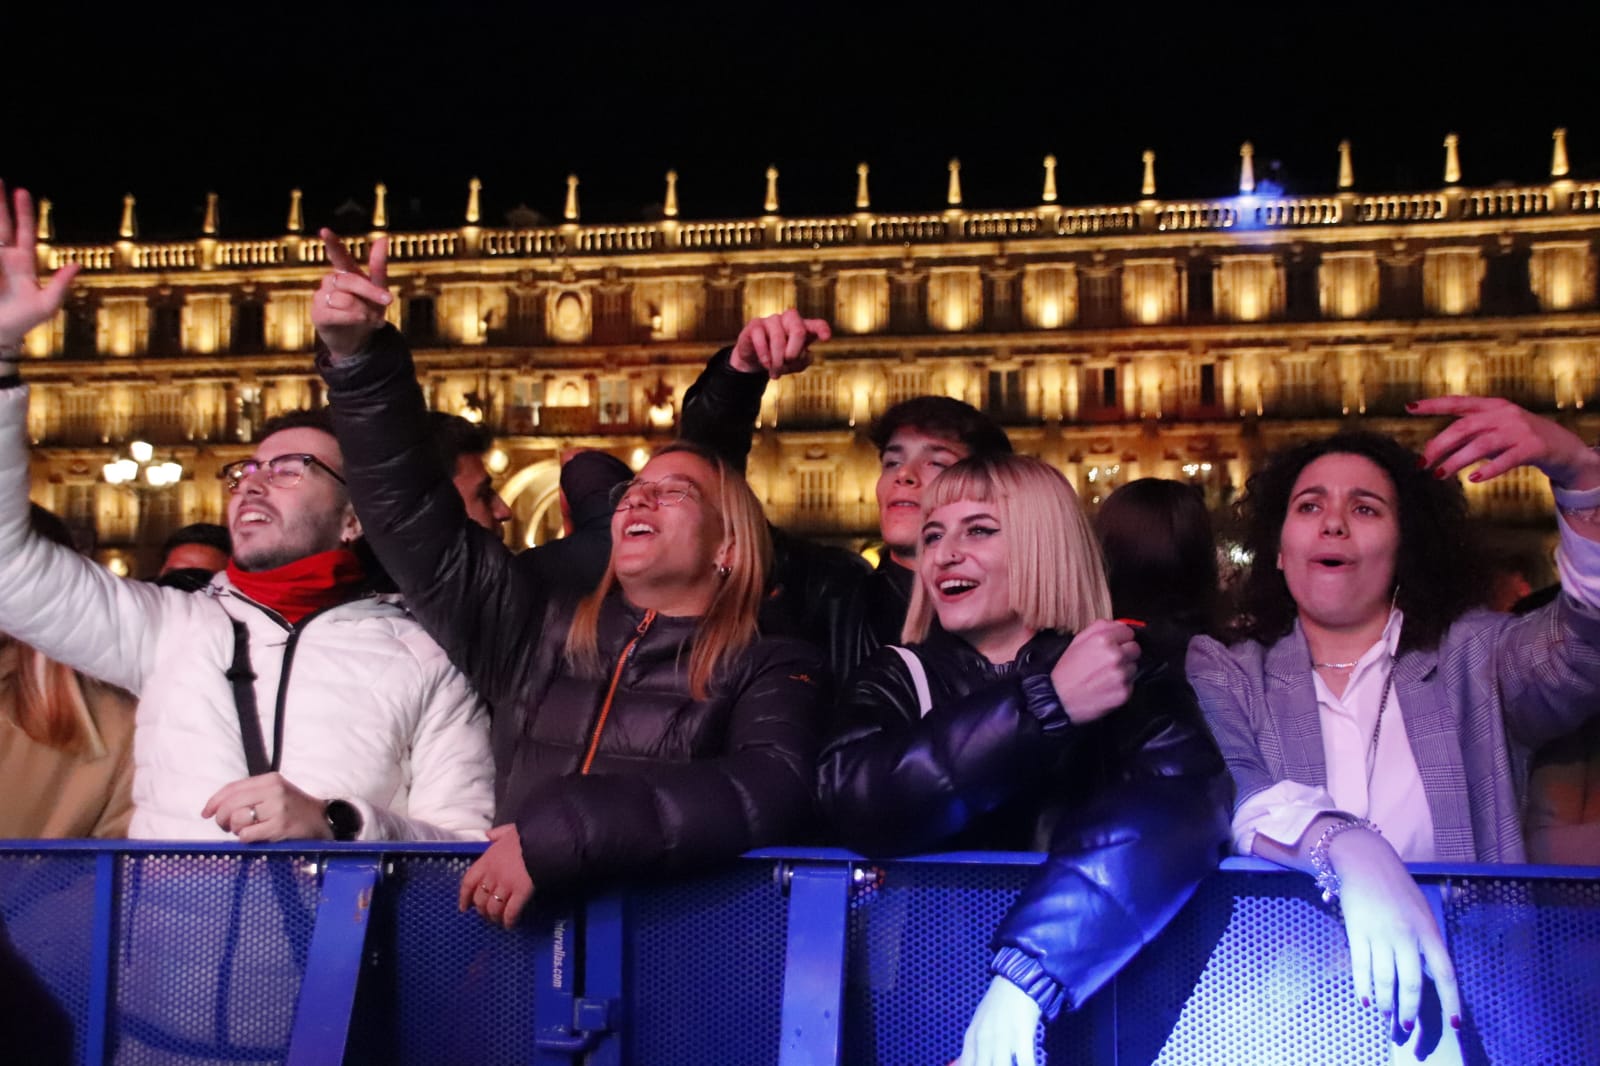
{"x": 1159, "y": 337}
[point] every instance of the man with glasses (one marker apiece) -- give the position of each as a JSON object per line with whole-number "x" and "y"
{"x": 287, "y": 700}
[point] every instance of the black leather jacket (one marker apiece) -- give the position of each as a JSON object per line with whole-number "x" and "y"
{"x": 675, "y": 780}
{"x": 822, "y": 594}
{"x": 1132, "y": 809}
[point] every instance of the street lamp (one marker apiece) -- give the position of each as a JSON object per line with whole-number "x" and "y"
{"x": 140, "y": 472}
{"x": 140, "y": 463}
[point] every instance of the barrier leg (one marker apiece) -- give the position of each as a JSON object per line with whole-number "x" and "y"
{"x": 333, "y": 963}
{"x": 105, "y": 906}
{"x": 604, "y": 959}
{"x": 813, "y": 975}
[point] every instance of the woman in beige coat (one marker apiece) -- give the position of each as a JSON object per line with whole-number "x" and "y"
{"x": 66, "y": 742}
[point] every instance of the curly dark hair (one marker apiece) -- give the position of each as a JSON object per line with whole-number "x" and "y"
{"x": 1439, "y": 568}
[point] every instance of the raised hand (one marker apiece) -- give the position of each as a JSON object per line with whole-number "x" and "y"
{"x": 24, "y": 303}
{"x": 1502, "y": 436}
{"x": 1094, "y": 676}
{"x": 350, "y": 304}
{"x": 778, "y": 344}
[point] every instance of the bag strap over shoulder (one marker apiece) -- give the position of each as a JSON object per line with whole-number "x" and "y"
{"x": 242, "y": 678}
{"x": 919, "y": 677}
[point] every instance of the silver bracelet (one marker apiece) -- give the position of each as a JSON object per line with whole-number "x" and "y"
{"x": 1327, "y": 879}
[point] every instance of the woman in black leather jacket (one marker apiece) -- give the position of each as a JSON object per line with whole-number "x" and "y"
{"x": 998, "y": 728}
{"x": 643, "y": 728}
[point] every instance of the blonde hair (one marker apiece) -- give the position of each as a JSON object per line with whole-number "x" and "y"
{"x": 729, "y": 624}
{"x": 1057, "y": 577}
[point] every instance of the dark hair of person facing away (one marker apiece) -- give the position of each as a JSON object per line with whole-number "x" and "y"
{"x": 1160, "y": 553}
{"x": 587, "y": 480}
{"x": 44, "y": 708}
{"x": 1438, "y": 567}
{"x": 941, "y": 416}
{"x": 454, "y": 436}
{"x": 320, "y": 418}
{"x": 207, "y": 534}
{"x": 729, "y": 624}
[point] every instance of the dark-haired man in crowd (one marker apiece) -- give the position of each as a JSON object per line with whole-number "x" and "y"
{"x": 824, "y": 594}
{"x": 462, "y": 445}
{"x": 192, "y": 554}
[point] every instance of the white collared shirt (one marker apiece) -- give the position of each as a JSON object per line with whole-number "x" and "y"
{"x": 1396, "y": 801}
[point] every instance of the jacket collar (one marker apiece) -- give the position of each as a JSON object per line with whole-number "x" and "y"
{"x": 1431, "y": 729}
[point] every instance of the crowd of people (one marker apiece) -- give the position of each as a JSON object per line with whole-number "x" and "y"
{"x": 359, "y": 656}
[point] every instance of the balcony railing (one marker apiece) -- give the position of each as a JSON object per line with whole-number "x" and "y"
{"x": 348, "y": 953}
{"x": 862, "y": 228}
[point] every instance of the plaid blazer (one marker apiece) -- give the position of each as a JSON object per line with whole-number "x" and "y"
{"x": 1497, "y": 687}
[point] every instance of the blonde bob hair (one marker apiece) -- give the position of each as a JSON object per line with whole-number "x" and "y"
{"x": 729, "y": 624}
{"x": 1056, "y": 574}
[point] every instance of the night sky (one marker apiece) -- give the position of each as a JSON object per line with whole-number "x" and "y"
{"x": 171, "y": 101}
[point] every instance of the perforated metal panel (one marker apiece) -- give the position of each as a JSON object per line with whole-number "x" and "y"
{"x": 705, "y": 978}
{"x": 210, "y": 950}
{"x": 46, "y": 909}
{"x": 1528, "y": 958}
{"x": 918, "y": 962}
{"x": 440, "y": 986}
{"x": 1254, "y": 970}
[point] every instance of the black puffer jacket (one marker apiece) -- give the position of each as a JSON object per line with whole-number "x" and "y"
{"x": 1132, "y": 809}
{"x": 675, "y": 780}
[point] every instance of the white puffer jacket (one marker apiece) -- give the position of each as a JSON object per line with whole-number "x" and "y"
{"x": 373, "y": 712}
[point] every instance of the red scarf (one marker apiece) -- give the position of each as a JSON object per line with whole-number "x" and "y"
{"x": 303, "y": 586}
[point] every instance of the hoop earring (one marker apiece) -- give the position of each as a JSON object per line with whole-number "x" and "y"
{"x": 723, "y": 571}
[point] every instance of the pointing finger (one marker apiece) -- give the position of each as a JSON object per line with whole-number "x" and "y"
{"x": 378, "y": 262}
{"x": 339, "y": 256}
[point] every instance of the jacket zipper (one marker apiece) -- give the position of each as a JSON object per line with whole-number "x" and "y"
{"x": 611, "y": 693}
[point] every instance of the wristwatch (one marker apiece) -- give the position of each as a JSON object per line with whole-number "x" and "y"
{"x": 344, "y": 821}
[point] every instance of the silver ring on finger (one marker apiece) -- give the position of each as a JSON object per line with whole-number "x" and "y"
{"x": 327, "y": 298}
{"x": 255, "y": 815}
{"x": 498, "y": 898}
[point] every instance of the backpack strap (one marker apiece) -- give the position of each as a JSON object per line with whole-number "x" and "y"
{"x": 919, "y": 677}
{"x": 242, "y": 678}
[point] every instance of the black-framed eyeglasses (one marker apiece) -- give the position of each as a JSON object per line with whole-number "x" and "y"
{"x": 282, "y": 471}
{"x": 668, "y": 492}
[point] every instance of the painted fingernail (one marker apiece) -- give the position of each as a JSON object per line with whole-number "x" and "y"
{"x": 1408, "y": 1025}
{"x": 1455, "y": 1021}
{"x": 1366, "y": 1001}
{"x": 1411, "y": 405}
{"x": 1474, "y": 477}
{"x": 1422, "y": 462}
{"x": 1440, "y": 474}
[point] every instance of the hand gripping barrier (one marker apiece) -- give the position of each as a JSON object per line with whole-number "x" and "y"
{"x": 131, "y": 954}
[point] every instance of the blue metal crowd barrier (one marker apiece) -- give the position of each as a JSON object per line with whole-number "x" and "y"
{"x": 132, "y": 954}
